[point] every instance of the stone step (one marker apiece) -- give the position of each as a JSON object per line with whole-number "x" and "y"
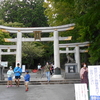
{"x": 68, "y": 81}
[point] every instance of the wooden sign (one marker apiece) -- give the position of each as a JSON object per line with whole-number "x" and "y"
{"x": 37, "y": 35}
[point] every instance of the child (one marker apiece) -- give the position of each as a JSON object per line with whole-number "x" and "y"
{"x": 27, "y": 79}
{"x": 10, "y": 74}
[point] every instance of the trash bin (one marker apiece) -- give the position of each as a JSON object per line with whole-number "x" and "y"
{"x": 57, "y": 71}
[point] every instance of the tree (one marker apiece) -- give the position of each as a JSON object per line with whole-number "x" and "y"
{"x": 30, "y": 52}
{"x": 85, "y": 13}
{"x": 61, "y": 15}
{"x": 28, "y": 12}
{"x": 57, "y": 14}
{"x": 89, "y": 22}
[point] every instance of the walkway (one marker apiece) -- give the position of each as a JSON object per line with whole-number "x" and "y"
{"x": 47, "y": 91}
{"x": 38, "y": 92}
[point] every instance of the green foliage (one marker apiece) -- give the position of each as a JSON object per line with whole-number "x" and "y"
{"x": 89, "y": 21}
{"x": 61, "y": 15}
{"x": 31, "y": 51}
{"x": 57, "y": 14}
{"x": 2, "y": 36}
{"x": 15, "y": 24}
{"x": 30, "y": 13}
{"x": 86, "y": 15}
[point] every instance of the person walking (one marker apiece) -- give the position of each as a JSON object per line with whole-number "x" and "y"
{"x": 39, "y": 68}
{"x": 18, "y": 72}
{"x": 26, "y": 79}
{"x": 84, "y": 74}
{"x": 47, "y": 71}
{"x": 10, "y": 74}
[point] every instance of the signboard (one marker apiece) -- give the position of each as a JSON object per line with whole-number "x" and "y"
{"x": 94, "y": 82}
{"x": 81, "y": 91}
{"x": 4, "y": 64}
{"x": 71, "y": 69}
{"x": 23, "y": 68}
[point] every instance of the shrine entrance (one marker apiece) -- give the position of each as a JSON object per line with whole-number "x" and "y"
{"x": 37, "y": 31}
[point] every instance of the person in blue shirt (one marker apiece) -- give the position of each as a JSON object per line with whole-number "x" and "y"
{"x": 26, "y": 79}
{"x": 17, "y": 72}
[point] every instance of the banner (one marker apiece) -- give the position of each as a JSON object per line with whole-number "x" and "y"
{"x": 94, "y": 82}
{"x": 81, "y": 91}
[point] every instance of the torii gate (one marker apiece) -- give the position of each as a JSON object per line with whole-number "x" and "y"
{"x": 8, "y": 48}
{"x": 76, "y": 51}
{"x": 55, "y": 30}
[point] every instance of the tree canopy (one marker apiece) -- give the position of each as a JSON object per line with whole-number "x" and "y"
{"x": 85, "y": 14}
{"x": 28, "y": 12}
{"x": 25, "y": 13}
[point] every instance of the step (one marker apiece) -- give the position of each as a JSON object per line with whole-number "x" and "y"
{"x": 67, "y": 81}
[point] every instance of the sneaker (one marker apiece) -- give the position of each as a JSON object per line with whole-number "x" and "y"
{"x": 26, "y": 90}
{"x": 11, "y": 85}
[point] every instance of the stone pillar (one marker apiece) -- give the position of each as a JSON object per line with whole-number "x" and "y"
{"x": 19, "y": 48}
{"x": 56, "y": 50}
{"x": 1, "y": 68}
{"x": 0, "y": 56}
{"x": 56, "y": 56}
{"x": 77, "y": 54}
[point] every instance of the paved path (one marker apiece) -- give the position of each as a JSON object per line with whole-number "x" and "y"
{"x": 38, "y": 92}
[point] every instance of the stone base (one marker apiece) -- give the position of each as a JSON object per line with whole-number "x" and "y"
{"x": 57, "y": 76}
{"x": 71, "y": 76}
{"x": 2, "y": 77}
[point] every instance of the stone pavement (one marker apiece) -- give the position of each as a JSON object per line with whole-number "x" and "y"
{"x": 38, "y": 92}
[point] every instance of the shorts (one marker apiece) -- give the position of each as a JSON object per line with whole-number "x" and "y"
{"x": 26, "y": 82}
{"x": 9, "y": 78}
{"x": 17, "y": 77}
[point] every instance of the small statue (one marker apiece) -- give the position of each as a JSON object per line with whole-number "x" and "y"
{"x": 69, "y": 59}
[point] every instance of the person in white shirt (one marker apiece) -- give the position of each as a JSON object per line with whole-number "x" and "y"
{"x": 39, "y": 68}
{"x": 10, "y": 74}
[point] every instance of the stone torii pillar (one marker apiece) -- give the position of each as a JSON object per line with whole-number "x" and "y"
{"x": 0, "y": 56}
{"x": 56, "y": 55}
{"x": 19, "y": 48}
{"x": 56, "y": 50}
{"x": 77, "y": 56}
